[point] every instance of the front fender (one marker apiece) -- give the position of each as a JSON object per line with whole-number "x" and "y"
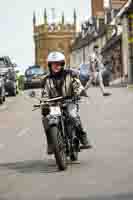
{"x": 53, "y": 120}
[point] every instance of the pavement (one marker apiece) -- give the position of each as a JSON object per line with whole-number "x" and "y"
{"x": 103, "y": 173}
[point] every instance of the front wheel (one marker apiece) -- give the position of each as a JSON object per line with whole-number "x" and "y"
{"x": 58, "y": 147}
{"x": 75, "y": 148}
{"x": 1, "y": 100}
{"x": 4, "y": 98}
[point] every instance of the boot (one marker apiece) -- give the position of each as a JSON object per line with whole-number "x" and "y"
{"x": 82, "y": 135}
{"x": 84, "y": 141}
{"x": 106, "y": 94}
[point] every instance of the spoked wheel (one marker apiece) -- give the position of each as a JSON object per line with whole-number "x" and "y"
{"x": 75, "y": 148}
{"x": 58, "y": 148}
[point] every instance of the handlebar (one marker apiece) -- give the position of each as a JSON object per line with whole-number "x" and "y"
{"x": 53, "y": 99}
{"x": 56, "y": 99}
{"x": 67, "y": 98}
{"x": 36, "y": 106}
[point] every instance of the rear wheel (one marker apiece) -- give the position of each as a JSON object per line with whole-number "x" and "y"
{"x": 58, "y": 147}
{"x": 14, "y": 92}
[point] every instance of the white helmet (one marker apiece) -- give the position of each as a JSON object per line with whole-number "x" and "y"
{"x": 56, "y": 57}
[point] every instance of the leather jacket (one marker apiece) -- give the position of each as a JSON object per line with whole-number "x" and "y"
{"x": 66, "y": 83}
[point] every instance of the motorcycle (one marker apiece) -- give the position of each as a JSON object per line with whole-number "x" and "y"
{"x": 62, "y": 132}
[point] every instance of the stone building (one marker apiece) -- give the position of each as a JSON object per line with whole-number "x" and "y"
{"x": 83, "y": 47}
{"x": 115, "y": 39}
{"x": 125, "y": 19}
{"x": 98, "y": 6}
{"x": 113, "y": 52}
{"x": 53, "y": 37}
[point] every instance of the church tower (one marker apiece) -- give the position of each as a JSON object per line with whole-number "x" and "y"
{"x": 53, "y": 37}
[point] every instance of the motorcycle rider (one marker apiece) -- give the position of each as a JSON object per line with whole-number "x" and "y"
{"x": 96, "y": 67}
{"x": 62, "y": 82}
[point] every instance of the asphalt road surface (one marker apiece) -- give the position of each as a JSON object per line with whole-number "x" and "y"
{"x": 104, "y": 173}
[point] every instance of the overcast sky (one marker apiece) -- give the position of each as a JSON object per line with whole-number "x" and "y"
{"x": 16, "y": 39}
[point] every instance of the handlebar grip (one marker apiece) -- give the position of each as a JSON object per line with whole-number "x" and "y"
{"x": 36, "y": 106}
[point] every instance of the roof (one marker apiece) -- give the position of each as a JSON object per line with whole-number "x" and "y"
{"x": 81, "y": 42}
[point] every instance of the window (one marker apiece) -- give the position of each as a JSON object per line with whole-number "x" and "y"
{"x": 34, "y": 71}
{"x": 2, "y": 62}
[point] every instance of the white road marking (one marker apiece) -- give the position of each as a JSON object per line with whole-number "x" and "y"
{"x": 23, "y": 132}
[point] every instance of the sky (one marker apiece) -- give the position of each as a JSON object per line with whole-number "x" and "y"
{"x": 16, "y": 33}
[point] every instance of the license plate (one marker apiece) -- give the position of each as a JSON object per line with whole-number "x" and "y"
{"x": 55, "y": 110}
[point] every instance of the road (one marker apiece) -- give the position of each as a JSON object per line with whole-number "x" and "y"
{"x": 104, "y": 173}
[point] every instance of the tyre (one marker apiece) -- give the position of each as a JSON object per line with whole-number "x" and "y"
{"x": 75, "y": 148}
{"x": 58, "y": 147}
{"x": 14, "y": 92}
{"x": 1, "y": 100}
{"x": 4, "y": 98}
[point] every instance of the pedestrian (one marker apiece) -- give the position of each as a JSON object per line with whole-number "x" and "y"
{"x": 20, "y": 80}
{"x": 96, "y": 67}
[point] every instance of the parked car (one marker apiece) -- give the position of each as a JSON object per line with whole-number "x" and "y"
{"x": 2, "y": 90}
{"x": 7, "y": 70}
{"x": 33, "y": 76}
{"x": 84, "y": 73}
